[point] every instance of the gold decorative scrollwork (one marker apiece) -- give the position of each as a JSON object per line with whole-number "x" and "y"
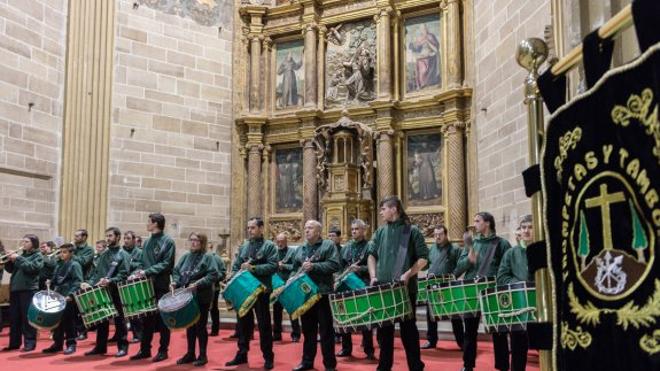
{"x": 567, "y": 142}
{"x": 427, "y": 222}
{"x": 291, "y": 227}
{"x": 639, "y": 107}
{"x": 572, "y": 338}
{"x": 587, "y": 314}
{"x": 650, "y": 343}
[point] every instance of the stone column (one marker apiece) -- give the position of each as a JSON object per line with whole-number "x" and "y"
{"x": 320, "y": 57}
{"x": 254, "y": 180}
{"x": 310, "y": 183}
{"x": 267, "y": 46}
{"x": 384, "y": 53}
{"x": 455, "y": 194}
{"x": 386, "y": 174}
{"x": 255, "y": 69}
{"x": 452, "y": 18}
{"x": 309, "y": 32}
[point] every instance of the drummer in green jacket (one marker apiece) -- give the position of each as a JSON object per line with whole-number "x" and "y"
{"x": 66, "y": 280}
{"x": 24, "y": 282}
{"x": 285, "y": 256}
{"x": 443, "y": 256}
{"x": 354, "y": 259}
{"x": 196, "y": 270}
{"x": 481, "y": 257}
{"x": 135, "y": 254}
{"x": 319, "y": 259}
{"x": 111, "y": 268}
{"x": 258, "y": 256}
{"x": 387, "y": 265}
{"x": 514, "y": 269}
{"x": 84, "y": 255}
{"x": 214, "y": 311}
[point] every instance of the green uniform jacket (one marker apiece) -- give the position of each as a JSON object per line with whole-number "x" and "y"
{"x": 264, "y": 259}
{"x": 25, "y": 271}
{"x": 356, "y": 251}
{"x": 84, "y": 255}
{"x": 438, "y": 252}
{"x": 220, "y": 266}
{"x": 136, "y": 258}
{"x": 325, "y": 259}
{"x": 158, "y": 260}
{"x": 198, "y": 268}
{"x": 286, "y": 256}
{"x": 513, "y": 267}
{"x": 481, "y": 246}
{"x": 104, "y": 262}
{"x": 385, "y": 244}
{"x": 67, "y": 277}
{"x": 47, "y": 270}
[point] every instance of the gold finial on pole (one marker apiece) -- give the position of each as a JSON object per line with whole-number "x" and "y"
{"x": 530, "y": 55}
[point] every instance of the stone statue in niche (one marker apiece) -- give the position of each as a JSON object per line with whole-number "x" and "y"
{"x": 290, "y": 74}
{"x": 422, "y": 52}
{"x": 289, "y": 180}
{"x": 351, "y": 64}
{"x": 424, "y": 169}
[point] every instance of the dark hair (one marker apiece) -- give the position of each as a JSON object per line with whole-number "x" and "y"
{"x": 68, "y": 246}
{"x": 258, "y": 220}
{"x": 525, "y": 219}
{"x": 335, "y": 230}
{"x": 51, "y": 244}
{"x": 394, "y": 201}
{"x": 83, "y": 232}
{"x": 130, "y": 233}
{"x": 487, "y": 217}
{"x": 203, "y": 240}
{"x": 443, "y": 227}
{"x": 34, "y": 240}
{"x": 159, "y": 219}
{"x": 101, "y": 242}
{"x": 114, "y": 231}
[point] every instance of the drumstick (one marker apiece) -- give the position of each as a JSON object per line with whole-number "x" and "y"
{"x": 171, "y": 287}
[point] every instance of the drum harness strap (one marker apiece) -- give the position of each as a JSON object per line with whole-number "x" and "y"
{"x": 403, "y": 251}
{"x": 116, "y": 259}
{"x": 60, "y": 277}
{"x": 188, "y": 272}
{"x": 488, "y": 258}
{"x": 444, "y": 253}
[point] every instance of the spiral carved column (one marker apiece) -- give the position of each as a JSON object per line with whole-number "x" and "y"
{"x": 254, "y": 181}
{"x": 309, "y": 32}
{"x": 456, "y": 203}
{"x": 385, "y": 164}
{"x": 310, "y": 183}
{"x": 384, "y": 53}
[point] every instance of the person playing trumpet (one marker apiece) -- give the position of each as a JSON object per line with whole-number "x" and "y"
{"x": 197, "y": 271}
{"x": 49, "y": 252}
{"x": 111, "y": 268}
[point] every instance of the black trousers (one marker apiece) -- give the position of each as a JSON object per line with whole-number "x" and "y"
{"x": 277, "y": 322}
{"x": 150, "y": 324}
{"x": 198, "y": 332}
{"x": 318, "y": 320}
{"x": 215, "y": 312}
{"x": 367, "y": 342}
{"x": 432, "y": 329}
{"x": 246, "y": 326}
{"x": 20, "y": 330}
{"x": 410, "y": 340}
{"x": 136, "y": 328}
{"x": 500, "y": 345}
{"x": 67, "y": 327}
{"x": 103, "y": 329}
{"x": 519, "y": 347}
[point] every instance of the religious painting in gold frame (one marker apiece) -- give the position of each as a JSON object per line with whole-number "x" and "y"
{"x": 287, "y": 184}
{"x": 424, "y": 168}
{"x": 422, "y": 52}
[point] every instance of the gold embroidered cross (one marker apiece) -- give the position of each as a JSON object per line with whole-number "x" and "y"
{"x": 603, "y": 201}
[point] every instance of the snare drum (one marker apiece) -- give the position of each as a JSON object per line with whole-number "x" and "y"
{"x": 95, "y": 305}
{"x": 349, "y": 282}
{"x": 423, "y": 284}
{"x": 242, "y": 291}
{"x": 459, "y": 298}
{"x": 370, "y": 307}
{"x": 508, "y": 307}
{"x": 179, "y": 310}
{"x": 46, "y": 309}
{"x": 137, "y": 297}
{"x": 299, "y": 294}
{"x": 278, "y": 285}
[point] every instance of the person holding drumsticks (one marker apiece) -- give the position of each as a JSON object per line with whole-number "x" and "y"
{"x": 197, "y": 271}
{"x": 397, "y": 252}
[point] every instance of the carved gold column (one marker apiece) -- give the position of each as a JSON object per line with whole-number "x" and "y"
{"x": 87, "y": 120}
{"x": 267, "y": 60}
{"x": 455, "y": 216}
{"x": 451, "y": 17}
{"x": 309, "y": 32}
{"x": 254, "y": 180}
{"x": 310, "y": 183}
{"x": 255, "y": 69}
{"x": 396, "y": 93}
{"x": 265, "y": 176}
{"x": 386, "y": 174}
{"x": 384, "y": 53}
{"x": 320, "y": 57}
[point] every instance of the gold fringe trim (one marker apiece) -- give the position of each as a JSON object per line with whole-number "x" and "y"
{"x": 39, "y": 327}
{"x": 305, "y": 307}
{"x": 250, "y": 300}
{"x": 276, "y": 294}
{"x": 188, "y": 325}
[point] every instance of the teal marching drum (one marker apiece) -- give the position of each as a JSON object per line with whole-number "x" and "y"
{"x": 46, "y": 309}
{"x": 299, "y": 294}
{"x": 242, "y": 291}
{"x": 178, "y": 309}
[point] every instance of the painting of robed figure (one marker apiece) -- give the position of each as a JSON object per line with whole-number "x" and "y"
{"x": 424, "y": 169}
{"x": 422, "y": 41}
{"x": 290, "y": 72}
{"x": 288, "y": 180}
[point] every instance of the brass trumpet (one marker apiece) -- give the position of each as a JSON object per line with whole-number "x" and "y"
{"x": 3, "y": 258}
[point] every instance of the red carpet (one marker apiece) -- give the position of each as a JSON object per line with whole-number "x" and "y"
{"x": 222, "y": 349}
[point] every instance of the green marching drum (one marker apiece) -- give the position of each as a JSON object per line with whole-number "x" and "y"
{"x": 95, "y": 305}
{"x": 370, "y": 307}
{"x": 349, "y": 282}
{"x": 459, "y": 298}
{"x": 46, "y": 309}
{"x": 242, "y": 291}
{"x": 137, "y": 297}
{"x": 278, "y": 285}
{"x": 179, "y": 310}
{"x": 509, "y": 307}
{"x": 423, "y": 284}
{"x": 299, "y": 294}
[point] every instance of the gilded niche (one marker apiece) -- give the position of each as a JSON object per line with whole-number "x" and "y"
{"x": 204, "y": 12}
{"x": 350, "y": 72}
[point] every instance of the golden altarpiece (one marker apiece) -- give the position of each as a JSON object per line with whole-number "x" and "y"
{"x": 340, "y": 103}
